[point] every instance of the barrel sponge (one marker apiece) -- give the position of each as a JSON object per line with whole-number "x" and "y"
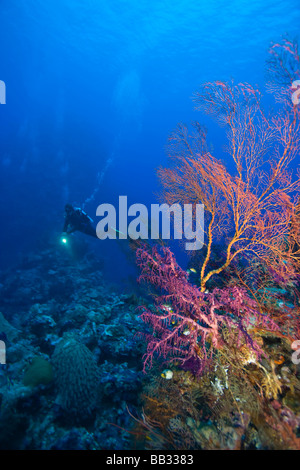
{"x": 76, "y": 376}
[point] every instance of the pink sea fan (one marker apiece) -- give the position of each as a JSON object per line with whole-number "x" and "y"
{"x": 187, "y": 323}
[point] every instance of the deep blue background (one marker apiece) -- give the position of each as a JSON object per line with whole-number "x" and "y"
{"x": 95, "y": 87}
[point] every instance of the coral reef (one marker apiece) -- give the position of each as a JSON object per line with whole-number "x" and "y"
{"x": 73, "y": 361}
{"x": 232, "y": 382}
{"x": 186, "y": 319}
{"x": 210, "y": 363}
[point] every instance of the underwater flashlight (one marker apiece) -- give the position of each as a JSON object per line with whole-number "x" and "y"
{"x": 64, "y": 240}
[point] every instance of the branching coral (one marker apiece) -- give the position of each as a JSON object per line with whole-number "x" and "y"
{"x": 242, "y": 329}
{"x": 283, "y": 68}
{"x": 188, "y": 322}
{"x": 252, "y": 207}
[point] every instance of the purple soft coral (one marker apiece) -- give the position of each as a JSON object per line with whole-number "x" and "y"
{"x": 188, "y": 323}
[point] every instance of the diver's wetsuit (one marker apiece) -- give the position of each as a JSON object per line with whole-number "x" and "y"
{"x": 77, "y": 219}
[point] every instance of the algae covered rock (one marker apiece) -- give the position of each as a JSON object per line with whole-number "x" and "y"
{"x": 39, "y": 372}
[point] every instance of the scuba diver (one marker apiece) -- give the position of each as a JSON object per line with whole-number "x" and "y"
{"x": 78, "y": 220}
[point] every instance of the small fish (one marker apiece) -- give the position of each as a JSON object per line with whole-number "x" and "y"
{"x": 167, "y": 374}
{"x": 167, "y": 307}
{"x": 191, "y": 270}
{"x": 186, "y": 332}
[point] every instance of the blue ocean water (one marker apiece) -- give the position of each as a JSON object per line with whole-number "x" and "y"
{"x": 93, "y": 90}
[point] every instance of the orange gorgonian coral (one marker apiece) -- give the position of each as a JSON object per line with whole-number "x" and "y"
{"x": 253, "y": 209}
